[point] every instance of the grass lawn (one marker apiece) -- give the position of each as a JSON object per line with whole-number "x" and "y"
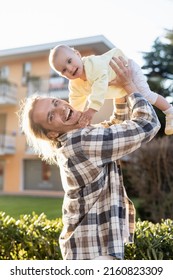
{"x": 19, "y": 205}
{"x": 50, "y": 206}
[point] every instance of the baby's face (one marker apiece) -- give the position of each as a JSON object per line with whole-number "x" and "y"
{"x": 68, "y": 63}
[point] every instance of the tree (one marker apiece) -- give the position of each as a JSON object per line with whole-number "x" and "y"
{"x": 158, "y": 67}
{"x": 150, "y": 173}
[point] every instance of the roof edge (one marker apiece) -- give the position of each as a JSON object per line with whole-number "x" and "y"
{"x": 48, "y": 46}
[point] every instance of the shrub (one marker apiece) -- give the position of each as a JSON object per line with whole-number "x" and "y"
{"x": 32, "y": 237}
{"x": 151, "y": 242}
{"x": 150, "y": 173}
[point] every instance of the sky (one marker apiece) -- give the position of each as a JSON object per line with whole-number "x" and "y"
{"x": 131, "y": 25}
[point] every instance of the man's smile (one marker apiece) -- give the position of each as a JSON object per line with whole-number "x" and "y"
{"x": 69, "y": 114}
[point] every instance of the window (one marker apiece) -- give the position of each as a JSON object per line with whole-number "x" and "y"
{"x": 26, "y": 71}
{"x": 4, "y": 73}
{"x": 38, "y": 175}
{"x": 57, "y": 82}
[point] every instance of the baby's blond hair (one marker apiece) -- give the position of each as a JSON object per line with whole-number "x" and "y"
{"x": 54, "y": 52}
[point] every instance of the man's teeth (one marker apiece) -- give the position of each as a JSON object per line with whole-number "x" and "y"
{"x": 68, "y": 114}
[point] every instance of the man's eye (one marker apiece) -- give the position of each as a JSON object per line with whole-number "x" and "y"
{"x": 51, "y": 117}
{"x": 56, "y": 103}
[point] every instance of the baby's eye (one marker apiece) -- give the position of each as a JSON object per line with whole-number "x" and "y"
{"x": 69, "y": 60}
{"x": 63, "y": 71}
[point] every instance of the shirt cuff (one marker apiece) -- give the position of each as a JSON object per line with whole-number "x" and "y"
{"x": 133, "y": 98}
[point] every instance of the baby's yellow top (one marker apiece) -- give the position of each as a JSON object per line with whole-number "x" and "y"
{"x": 95, "y": 89}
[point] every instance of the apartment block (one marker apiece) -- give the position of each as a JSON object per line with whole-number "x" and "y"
{"x": 24, "y": 71}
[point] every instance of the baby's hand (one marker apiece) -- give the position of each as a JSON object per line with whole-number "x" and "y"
{"x": 86, "y": 117}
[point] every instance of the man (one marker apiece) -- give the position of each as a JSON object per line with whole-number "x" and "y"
{"x": 98, "y": 217}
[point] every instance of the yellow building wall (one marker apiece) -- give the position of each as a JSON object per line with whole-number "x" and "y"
{"x": 13, "y": 163}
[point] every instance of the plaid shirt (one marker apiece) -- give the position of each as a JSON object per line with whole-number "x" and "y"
{"x": 98, "y": 217}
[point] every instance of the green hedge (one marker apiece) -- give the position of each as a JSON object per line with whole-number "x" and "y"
{"x": 34, "y": 237}
{"x": 152, "y": 241}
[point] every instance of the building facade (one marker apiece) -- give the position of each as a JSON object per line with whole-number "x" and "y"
{"x": 24, "y": 71}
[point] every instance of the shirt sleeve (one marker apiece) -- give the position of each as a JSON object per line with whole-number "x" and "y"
{"x": 121, "y": 112}
{"x": 104, "y": 145}
{"x": 77, "y": 96}
{"x": 98, "y": 90}
{"x": 96, "y": 69}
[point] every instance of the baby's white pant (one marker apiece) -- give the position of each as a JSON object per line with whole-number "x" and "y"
{"x": 141, "y": 83}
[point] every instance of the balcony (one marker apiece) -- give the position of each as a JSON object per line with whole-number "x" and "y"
{"x": 7, "y": 144}
{"x": 53, "y": 86}
{"x": 8, "y": 93}
{"x": 29, "y": 150}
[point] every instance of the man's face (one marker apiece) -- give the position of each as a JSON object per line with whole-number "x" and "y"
{"x": 55, "y": 115}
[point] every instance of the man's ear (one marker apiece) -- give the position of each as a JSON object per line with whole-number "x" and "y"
{"x": 52, "y": 135}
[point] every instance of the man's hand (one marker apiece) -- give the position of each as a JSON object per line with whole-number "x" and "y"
{"x": 123, "y": 75}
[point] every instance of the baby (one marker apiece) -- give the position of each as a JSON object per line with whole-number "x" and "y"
{"x": 89, "y": 82}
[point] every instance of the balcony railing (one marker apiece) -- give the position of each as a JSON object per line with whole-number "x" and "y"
{"x": 56, "y": 86}
{"x": 8, "y": 93}
{"x": 7, "y": 144}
